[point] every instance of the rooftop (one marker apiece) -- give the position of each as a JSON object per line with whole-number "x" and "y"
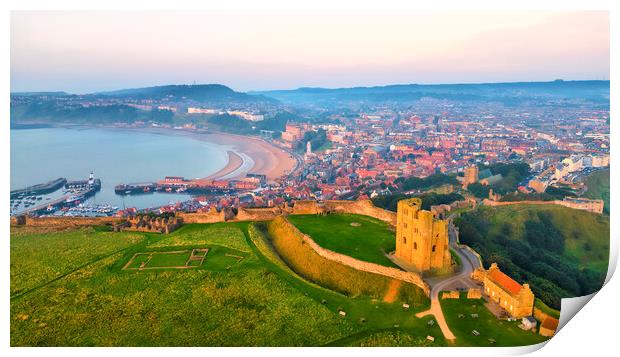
{"x": 550, "y": 323}
{"x": 505, "y": 281}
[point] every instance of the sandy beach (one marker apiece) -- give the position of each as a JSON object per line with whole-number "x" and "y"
{"x": 266, "y": 159}
{"x": 234, "y": 163}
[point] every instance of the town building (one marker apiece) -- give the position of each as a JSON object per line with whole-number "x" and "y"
{"x": 537, "y": 185}
{"x": 192, "y": 110}
{"x": 600, "y": 161}
{"x": 246, "y": 115}
{"x": 548, "y": 326}
{"x": 516, "y": 299}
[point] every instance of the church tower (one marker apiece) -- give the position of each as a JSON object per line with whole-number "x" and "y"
{"x": 421, "y": 240}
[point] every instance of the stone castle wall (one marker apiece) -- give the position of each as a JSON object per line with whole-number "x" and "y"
{"x": 212, "y": 216}
{"x": 258, "y": 214}
{"x": 590, "y": 207}
{"x": 413, "y": 278}
{"x": 362, "y": 207}
{"x": 308, "y": 207}
{"x": 64, "y": 221}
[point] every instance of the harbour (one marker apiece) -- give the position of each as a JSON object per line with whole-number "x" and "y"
{"x": 130, "y": 165}
{"x": 117, "y": 156}
{"x": 44, "y": 200}
{"x": 39, "y": 189}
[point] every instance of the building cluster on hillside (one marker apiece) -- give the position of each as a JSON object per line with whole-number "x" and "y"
{"x": 366, "y": 153}
{"x": 365, "y": 149}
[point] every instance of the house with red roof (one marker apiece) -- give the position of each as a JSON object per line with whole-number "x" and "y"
{"x": 516, "y": 299}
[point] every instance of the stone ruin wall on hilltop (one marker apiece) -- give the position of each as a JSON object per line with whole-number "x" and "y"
{"x": 258, "y": 214}
{"x": 212, "y": 216}
{"x": 362, "y": 207}
{"x": 594, "y": 206}
{"x": 63, "y": 221}
{"x": 288, "y": 229}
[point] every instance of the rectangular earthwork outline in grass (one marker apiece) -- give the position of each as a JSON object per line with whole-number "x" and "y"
{"x": 178, "y": 259}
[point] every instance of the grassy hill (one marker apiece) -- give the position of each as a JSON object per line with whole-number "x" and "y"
{"x": 598, "y": 187}
{"x": 69, "y": 288}
{"x": 197, "y": 92}
{"x": 306, "y": 262}
{"x": 361, "y": 237}
{"x": 74, "y": 292}
{"x": 84, "y": 287}
{"x": 560, "y": 251}
{"x": 493, "y": 332}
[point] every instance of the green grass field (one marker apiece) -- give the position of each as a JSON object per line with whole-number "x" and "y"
{"x": 252, "y": 301}
{"x": 368, "y": 239}
{"x": 168, "y": 260}
{"x": 41, "y": 257}
{"x": 223, "y": 234}
{"x": 599, "y": 187}
{"x": 172, "y": 257}
{"x": 396, "y": 338}
{"x": 99, "y": 304}
{"x": 306, "y": 262}
{"x": 243, "y": 295}
{"x": 458, "y": 316}
{"x": 372, "y": 316}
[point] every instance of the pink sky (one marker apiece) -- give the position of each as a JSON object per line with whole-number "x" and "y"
{"x": 91, "y": 51}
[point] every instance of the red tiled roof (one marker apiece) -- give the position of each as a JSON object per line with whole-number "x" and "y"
{"x": 550, "y": 323}
{"x": 505, "y": 282}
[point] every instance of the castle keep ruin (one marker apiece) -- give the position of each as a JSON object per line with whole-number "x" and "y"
{"x": 421, "y": 239}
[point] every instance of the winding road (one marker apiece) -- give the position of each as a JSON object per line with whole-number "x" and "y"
{"x": 460, "y": 280}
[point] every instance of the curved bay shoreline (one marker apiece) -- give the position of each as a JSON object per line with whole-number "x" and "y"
{"x": 246, "y": 154}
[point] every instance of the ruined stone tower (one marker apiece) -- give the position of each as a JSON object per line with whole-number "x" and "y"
{"x": 421, "y": 240}
{"x": 471, "y": 175}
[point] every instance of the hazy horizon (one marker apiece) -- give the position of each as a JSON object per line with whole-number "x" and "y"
{"x": 301, "y": 87}
{"x": 85, "y": 52}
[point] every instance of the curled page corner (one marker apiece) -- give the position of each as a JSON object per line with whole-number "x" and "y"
{"x": 571, "y": 306}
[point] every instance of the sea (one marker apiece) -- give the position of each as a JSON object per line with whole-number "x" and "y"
{"x": 115, "y": 156}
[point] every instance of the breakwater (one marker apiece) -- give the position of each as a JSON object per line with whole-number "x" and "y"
{"x": 40, "y": 189}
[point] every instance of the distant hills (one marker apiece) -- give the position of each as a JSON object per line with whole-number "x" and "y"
{"x": 559, "y": 92}
{"x": 508, "y": 93}
{"x": 39, "y": 94}
{"x": 512, "y": 93}
{"x": 196, "y": 92}
{"x": 207, "y": 93}
{"x": 46, "y": 106}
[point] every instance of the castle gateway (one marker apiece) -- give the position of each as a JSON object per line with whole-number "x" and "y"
{"x": 421, "y": 240}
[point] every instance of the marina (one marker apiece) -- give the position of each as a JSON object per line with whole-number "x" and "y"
{"x": 45, "y": 201}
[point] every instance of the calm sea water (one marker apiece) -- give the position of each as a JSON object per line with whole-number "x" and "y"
{"x": 115, "y": 156}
